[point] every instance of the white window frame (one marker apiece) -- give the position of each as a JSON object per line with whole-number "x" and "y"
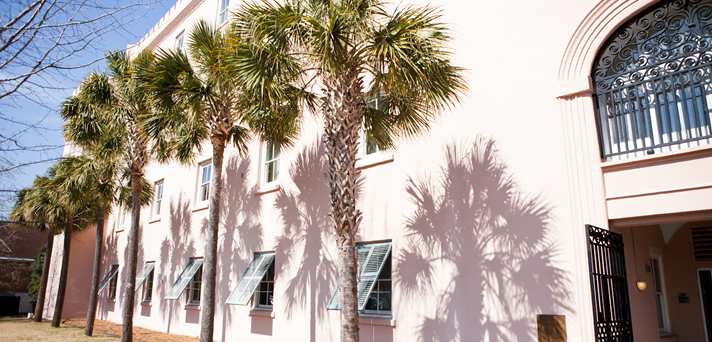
{"x": 120, "y": 219}
{"x": 223, "y": 12}
{"x": 179, "y": 42}
{"x": 208, "y": 164}
{"x": 148, "y": 287}
{"x": 363, "y": 260}
{"x": 113, "y": 285}
{"x": 661, "y": 295}
{"x": 244, "y": 291}
{"x": 365, "y": 142}
{"x": 364, "y": 133}
{"x": 110, "y": 280}
{"x": 147, "y": 281}
{"x": 193, "y": 286}
{"x": 182, "y": 281}
{"x": 274, "y": 160}
{"x": 157, "y": 198}
{"x": 256, "y": 296}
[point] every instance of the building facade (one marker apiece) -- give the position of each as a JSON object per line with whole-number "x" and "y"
{"x": 572, "y": 184}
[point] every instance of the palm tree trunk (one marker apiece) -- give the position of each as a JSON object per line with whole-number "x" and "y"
{"x": 343, "y": 119}
{"x": 39, "y": 306}
{"x": 61, "y": 288}
{"x": 207, "y": 315}
{"x": 130, "y": 283}
{"x": 94, "y": 292}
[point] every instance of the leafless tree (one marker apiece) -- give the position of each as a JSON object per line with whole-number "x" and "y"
{"x": 46, "y": 48}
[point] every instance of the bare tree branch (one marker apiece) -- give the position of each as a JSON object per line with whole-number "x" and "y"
{"x": 46, "y": 48}
{"x": 34, "y": 162}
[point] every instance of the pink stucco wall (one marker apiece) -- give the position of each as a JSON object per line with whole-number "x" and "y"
{"x": 474, "y": 256}
{"x": 78, "y": 276}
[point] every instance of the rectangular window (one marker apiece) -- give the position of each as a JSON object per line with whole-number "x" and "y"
{"x": 206, "y": 170}
{"x": 374, "y": 280}
{"x": 148, "y": 288}
{"x": 223, "y": 7}
{"x": 110, "y": 280}
{"x": 179, "y": 41}
{"x": 271, "y": 166}
{"x": 186, "y": 277}
{"x": 112, "y": 287}
{"x": 259, "y": 273}
{"x": 660, "y": 299}
{"x": 370, "y": 146}
{"x": 157, "y": 197}
{"x": 194, "y": 287}
{"x": 265, "y": 291}
{"x": 146, "y": 279}
{"x": 380, "y": 298}
{"x": 120, "y": 219}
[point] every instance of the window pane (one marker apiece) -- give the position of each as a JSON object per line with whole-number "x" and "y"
{"x": 185, "y": 277}
{"x": 179, "y": 41}
{"x": 271, "y": 162}
{"x": 252, "y": 278}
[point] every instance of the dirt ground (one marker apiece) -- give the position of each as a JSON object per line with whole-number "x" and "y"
{"x": 73, "y": 330}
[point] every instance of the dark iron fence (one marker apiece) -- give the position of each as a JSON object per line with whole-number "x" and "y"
{"x": 609, "y": 287}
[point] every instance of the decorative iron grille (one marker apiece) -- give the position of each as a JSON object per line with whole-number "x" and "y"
{"x": 609, "y": 287}
{"x": 652, "y": 81}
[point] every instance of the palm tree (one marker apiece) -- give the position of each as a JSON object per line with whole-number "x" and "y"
{"x": 48, "y": 202}
{"x": 201, "y": 99}
{"x": 96, "y": 177}
{"x": 351, "y": 51}
{"x": 19, "y": 214}
{"x": 110, "y": 108}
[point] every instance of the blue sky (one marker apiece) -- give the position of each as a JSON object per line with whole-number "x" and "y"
{"x": 49, "y": 131}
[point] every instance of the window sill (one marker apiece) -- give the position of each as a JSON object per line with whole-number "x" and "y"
{"x": 267, "y": 188}
{"x": 266, "y": 313}
{"x": 192, "y": 307}
{"x": 377, "y": 320}
{"x": 374, "y": 159}
{"x": 145, "y": 303}
{"x": 201, "y": 206}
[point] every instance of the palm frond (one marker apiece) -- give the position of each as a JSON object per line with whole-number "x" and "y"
{"x": 412, "y": 67}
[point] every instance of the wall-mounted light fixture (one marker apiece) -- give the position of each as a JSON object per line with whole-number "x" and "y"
{"x": 641, "y": 284}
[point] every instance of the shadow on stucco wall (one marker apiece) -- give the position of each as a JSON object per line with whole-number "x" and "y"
{"x": 110, "y": 256}
{"x": 240, "y": 232}
{"x": 176, "y": 248}
{"x": 307, "y": 231}
{"x": 493, "y": 241}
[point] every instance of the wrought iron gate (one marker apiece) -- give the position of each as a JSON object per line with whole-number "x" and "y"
{"x": 609, "y": 288}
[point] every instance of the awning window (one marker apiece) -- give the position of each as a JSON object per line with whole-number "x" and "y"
{"x": 113, "y": 270}
{"x": 194, "y": 264}
{"x": 371, "y": 258}
{"x": 147, "y": 269}
{"x": 250, "y": 278}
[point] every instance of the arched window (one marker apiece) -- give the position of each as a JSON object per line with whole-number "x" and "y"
{"x": 653, "y": 81}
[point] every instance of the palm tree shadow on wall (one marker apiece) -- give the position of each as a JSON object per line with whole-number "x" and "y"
{"x": 176, "y": 248}
{"x": 240, "y": 215}
{"x": 109, "y": 257}
{"x": 495, "y": 243}
{"x": 307, "y": 231}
